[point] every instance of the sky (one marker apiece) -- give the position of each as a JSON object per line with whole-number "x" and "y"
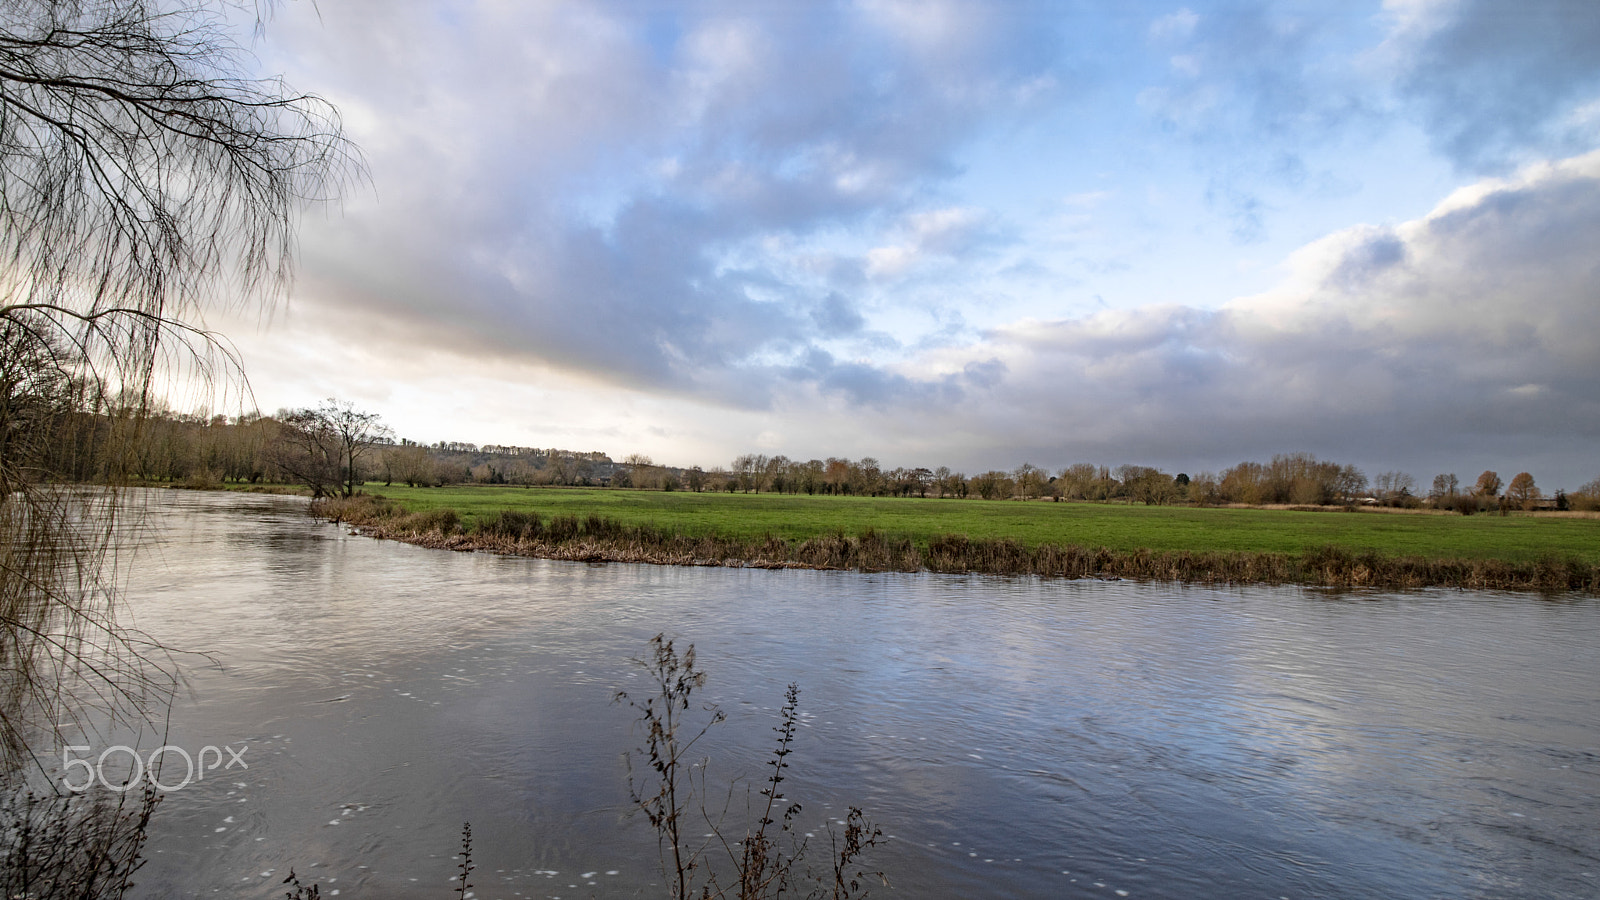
{"x": 971, "y": 234}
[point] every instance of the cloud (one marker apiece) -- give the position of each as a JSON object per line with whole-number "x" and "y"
{"x": 835, "y": 316}
{"x": 863, "y": 387}
{"x": 739, "y": 208}
{"x": 1470, "y": 328}
{"x": 559, "y": 184}
{"x": 1174, "y": 27}
{"x": 946, "y": 233}
{"x": 1493, "y": 82}
{"x": 1252, "y": 89}
{"x": 1247, "y": 72}
{"x": 1260, "y": 91}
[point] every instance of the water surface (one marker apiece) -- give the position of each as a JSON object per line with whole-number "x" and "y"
{"x": 1016, "y": 737}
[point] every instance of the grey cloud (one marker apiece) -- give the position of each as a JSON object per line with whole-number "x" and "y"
{"x": 986, "y": 373}
{"x": 1368, "y": 260}
{"x": 868, "y": 387}
{"x": 836, "y": 316}
{"x": 570, "y": 188}
{"x": 1496, "y": 78}
{"x": 1465, "y": 339}
{"x": 1120, "y": 334}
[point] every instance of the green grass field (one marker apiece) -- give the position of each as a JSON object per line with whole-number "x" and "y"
{"x": 1517, "y": 538}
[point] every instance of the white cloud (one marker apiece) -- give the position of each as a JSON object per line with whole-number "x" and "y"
{"x": 933, "y": 28}
{"x": 947, "y": 232}
{"x": 1174, "y": 27}
{"x": 890, "y": 262}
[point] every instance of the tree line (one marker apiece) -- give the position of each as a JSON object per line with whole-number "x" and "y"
{"x": 1293, "y": 479}
{"x": 334, "y": 448}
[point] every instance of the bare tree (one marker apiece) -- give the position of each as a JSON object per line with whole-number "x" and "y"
{"x": 750, "y": 469}
{"x": 1030, "y": 480}
{"x": 1350, "y": 484}
{"x": 1394, "y": 488}
{"x": 1148, "y": 485}
{"x": 994, "y": 485}
{"x": 1587, "y": 496}
{"x": 695, "y": 478}
{"x": 1202, "y": 488}
{"x": 323, "y": 448}
{"x": 141, "y": 173}
{"x": 1522, "y": 491}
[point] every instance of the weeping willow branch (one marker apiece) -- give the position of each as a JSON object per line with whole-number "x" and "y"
{"x": 144, "y": 179}
{"x": 138, "y": 165}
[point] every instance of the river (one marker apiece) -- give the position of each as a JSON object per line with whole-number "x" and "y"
{"x": 1012, "y": 737}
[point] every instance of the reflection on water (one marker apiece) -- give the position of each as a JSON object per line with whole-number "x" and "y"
{"x": 1018, "y": 738}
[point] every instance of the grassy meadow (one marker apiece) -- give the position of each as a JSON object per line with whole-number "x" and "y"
{"x": 1118, "y": 527}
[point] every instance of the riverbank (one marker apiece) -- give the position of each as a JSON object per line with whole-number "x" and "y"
{"x": 1520, "y": 537}
{"x": 595, "y": 538}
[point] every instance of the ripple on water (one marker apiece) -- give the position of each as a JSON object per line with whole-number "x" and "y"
{"x": 1019, "y": 737}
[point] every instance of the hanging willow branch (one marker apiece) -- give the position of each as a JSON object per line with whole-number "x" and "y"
{"x": 144, "y": 178}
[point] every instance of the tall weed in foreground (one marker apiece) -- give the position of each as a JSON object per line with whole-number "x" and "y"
{"x": 764, "y": 861}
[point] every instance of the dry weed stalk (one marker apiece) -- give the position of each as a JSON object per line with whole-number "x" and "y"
{"x": 464, "y": 889}
{"x": 764, "y": 861}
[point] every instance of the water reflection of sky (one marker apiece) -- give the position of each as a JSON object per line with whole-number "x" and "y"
{"x": 1017, "y": 737}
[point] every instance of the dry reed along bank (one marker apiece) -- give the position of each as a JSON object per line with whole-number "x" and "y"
{"x": 597, "y": 538}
